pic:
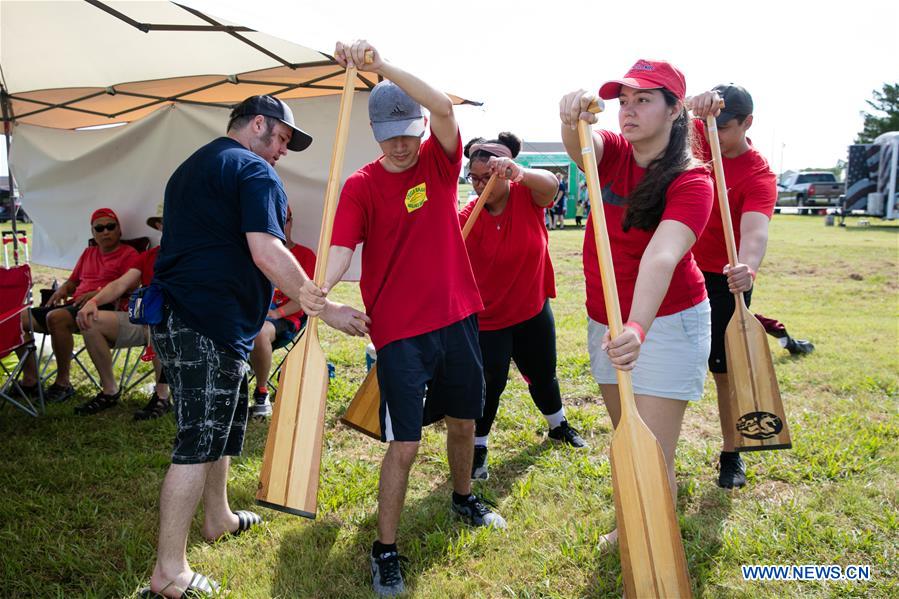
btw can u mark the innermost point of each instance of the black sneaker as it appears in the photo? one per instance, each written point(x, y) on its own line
point(567, 435)
point(799, 347)
point(262, 407)
point(732, 471)
point(156, 407)
point(58, 393)
point(100, 402)
point(477, 513)
point(479, 464)
point(387, 575)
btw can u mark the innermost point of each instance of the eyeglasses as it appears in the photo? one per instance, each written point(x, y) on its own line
point(475, 180)
point(106, 227)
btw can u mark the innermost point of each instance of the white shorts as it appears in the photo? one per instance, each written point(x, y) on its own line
point(673, 360)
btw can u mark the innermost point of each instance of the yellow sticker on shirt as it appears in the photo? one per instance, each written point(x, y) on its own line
point(416, 197)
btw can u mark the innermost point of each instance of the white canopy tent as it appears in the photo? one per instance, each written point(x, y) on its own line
point(172, 74)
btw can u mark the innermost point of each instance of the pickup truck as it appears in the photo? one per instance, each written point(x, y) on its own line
point(810, 188)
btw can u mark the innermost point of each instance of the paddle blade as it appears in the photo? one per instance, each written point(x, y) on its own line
point(754, 417)
point(363, 413)
point(292, 458)
point(653, 563)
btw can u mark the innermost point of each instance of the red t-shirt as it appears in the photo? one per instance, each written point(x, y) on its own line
point(688, 201)
point(145, 262)
point(416, 277)
point(751, 187)
point(95, 269)
point(509, 255)
point(306, 258)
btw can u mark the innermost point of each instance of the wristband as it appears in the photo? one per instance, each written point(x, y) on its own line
point(636, 326)
point(751, 273)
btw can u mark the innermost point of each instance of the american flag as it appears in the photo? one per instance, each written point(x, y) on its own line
point(861, 176)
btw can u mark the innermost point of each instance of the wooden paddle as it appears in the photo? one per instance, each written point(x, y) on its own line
point(754, 417)
point(292, 459)
point(363, 413)
point(653, 563)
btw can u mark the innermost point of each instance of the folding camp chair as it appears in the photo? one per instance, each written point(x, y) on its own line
point(130, 377)
point(286, 344)
point(9, 237)
point(15, 298)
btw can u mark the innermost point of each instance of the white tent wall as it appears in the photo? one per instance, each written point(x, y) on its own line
point(64, 175)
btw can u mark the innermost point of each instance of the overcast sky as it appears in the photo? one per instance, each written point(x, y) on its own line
point(810, 66)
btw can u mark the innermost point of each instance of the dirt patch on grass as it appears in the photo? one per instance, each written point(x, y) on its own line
point(773, 492)
point(582, 400)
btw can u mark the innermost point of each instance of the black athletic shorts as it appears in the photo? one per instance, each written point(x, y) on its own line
point(40, 314)
point(208, 385)
point(429, 376)
point(285, 331)
point(722, 303)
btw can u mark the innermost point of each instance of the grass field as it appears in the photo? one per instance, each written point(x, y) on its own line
point(78, 496)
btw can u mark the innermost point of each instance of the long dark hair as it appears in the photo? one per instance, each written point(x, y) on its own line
point(647, 201)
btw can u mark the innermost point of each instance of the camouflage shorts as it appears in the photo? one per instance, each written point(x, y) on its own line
point(209, 387)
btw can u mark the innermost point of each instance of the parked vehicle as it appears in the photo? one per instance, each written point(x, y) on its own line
point(810, 188)
point(4, 212)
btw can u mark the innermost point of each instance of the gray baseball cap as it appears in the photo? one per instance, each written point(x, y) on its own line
point(737, 102)
point(393, 113)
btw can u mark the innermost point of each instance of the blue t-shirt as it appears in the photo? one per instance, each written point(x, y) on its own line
point(205, 268)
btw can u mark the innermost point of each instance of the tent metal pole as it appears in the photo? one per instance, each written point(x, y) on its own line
point(7, 130)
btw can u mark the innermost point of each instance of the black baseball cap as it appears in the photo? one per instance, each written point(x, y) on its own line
point(737, 102)
point(275, 108)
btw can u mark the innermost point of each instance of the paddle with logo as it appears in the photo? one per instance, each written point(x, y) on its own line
point(653, 563)
point(292, 459)
point(754, 418)
point(363, 413)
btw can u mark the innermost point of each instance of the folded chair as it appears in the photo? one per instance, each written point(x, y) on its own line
point(15, 298)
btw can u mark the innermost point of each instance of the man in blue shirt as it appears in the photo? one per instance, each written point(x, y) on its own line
point(222, 248)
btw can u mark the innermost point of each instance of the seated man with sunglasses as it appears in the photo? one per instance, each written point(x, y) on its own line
point(98, 265)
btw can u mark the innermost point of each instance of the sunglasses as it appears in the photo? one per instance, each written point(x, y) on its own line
point(106, 227)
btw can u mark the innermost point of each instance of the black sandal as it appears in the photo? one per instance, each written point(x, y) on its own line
point(155, 408)
point(58, 393)
point(100, 402)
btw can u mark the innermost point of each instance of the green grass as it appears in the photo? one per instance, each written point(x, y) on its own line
point(78, 504)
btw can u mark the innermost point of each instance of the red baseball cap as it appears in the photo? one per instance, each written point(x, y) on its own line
point(104, 213)
point(647, 74)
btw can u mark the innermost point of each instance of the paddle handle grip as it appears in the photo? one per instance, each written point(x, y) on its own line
point(604, 254)
point(596, 106)
point(690, 104)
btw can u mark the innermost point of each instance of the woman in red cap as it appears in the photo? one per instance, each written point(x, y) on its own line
point(509, 253)
point(657, 199)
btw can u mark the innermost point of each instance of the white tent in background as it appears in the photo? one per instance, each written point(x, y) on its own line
point(169, 74)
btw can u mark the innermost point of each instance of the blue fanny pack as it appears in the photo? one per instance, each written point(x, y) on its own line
point(145, 305)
